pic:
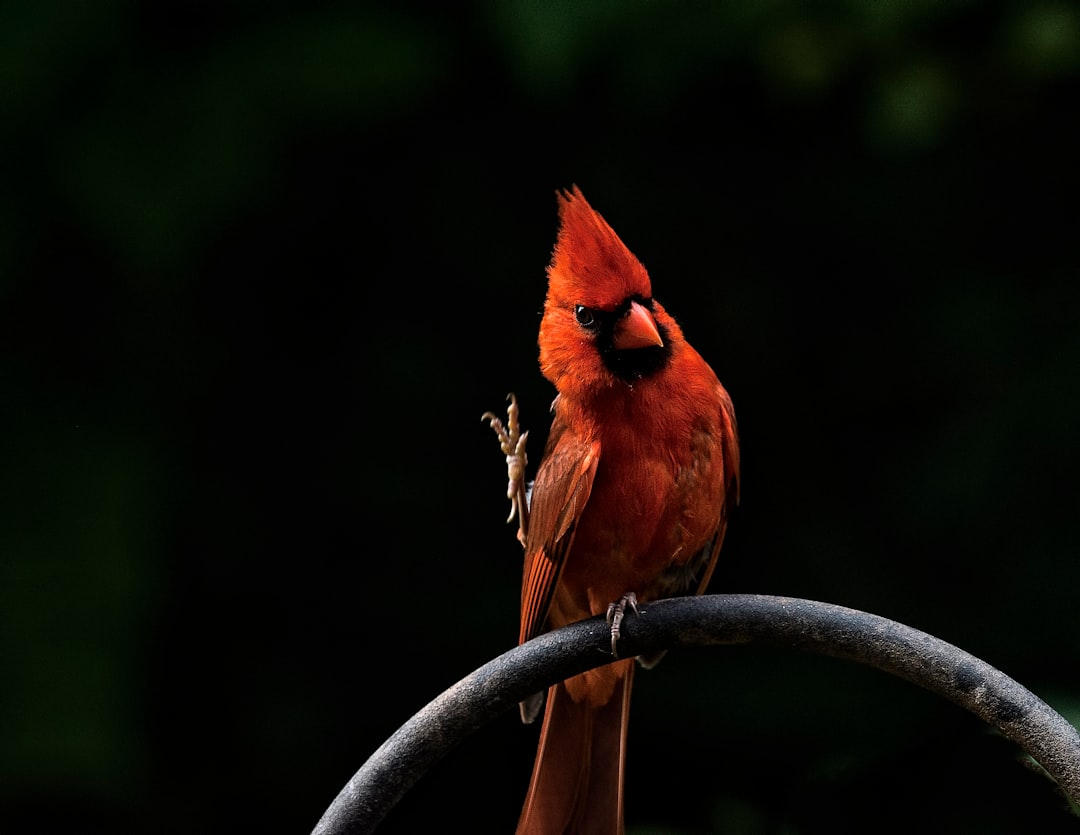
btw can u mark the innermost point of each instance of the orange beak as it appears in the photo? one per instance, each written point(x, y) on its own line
point(636, 329)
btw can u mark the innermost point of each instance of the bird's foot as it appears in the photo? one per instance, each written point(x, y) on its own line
point(615, 614)
point(512, 443)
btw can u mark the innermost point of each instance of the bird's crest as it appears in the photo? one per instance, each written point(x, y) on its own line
point(591, 265)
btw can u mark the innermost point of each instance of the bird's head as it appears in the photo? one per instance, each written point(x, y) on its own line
point(601, 325)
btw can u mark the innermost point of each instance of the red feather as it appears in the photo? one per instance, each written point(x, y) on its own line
point(632, 495)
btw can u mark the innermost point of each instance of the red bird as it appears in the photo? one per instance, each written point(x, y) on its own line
point(629, 504)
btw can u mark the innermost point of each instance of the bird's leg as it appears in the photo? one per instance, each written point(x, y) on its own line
point(615, 613)
point(512, 443)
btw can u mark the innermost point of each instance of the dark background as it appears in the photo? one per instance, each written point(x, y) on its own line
point(263, 265)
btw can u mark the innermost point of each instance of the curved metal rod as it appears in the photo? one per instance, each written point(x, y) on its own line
point(698, 621)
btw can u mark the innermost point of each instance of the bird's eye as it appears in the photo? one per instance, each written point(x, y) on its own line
point(584, 316)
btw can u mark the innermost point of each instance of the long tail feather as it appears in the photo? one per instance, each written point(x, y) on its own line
point(577, 780)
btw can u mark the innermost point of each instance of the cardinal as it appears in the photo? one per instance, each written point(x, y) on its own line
point(629, 504)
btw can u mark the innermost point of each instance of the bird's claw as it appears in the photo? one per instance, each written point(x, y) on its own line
point(512, 443)
point(615, 614)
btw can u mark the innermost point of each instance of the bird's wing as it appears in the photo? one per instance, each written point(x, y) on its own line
point(559, 494)
point(730, 462)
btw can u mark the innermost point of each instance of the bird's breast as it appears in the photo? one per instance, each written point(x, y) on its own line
point(655, 503)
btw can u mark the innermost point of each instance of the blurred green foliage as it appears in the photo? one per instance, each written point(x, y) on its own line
point(263, 265)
